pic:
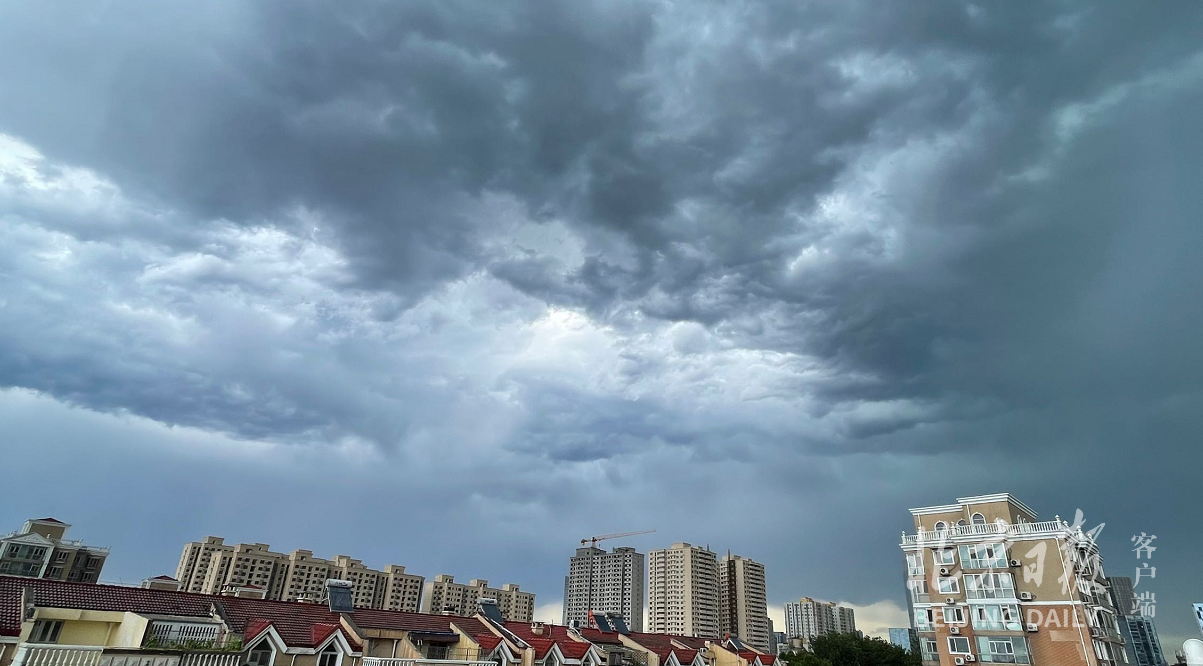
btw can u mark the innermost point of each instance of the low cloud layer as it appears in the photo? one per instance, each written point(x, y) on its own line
point(758, 275)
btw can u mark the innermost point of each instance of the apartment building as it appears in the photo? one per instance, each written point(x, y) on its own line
point(1141, 641)
point(809, 618)
point(444, 595)
point(211, 566)
point(683, 591)
point(988, 582)
point(743, 607)
point(41, 550)
point(612, 582)
point(1122, 596)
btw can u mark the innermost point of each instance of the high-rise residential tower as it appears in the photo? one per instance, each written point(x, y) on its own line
point(683, 594)
point(743, 609)
point(809, 618)
point(611, 582)
point(991, 583)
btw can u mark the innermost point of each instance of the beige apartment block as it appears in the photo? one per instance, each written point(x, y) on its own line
point(444, 595)
point(683, 591)
point(743, 607)
point(989, 583)
point(401, 591)
point(211, 566)
point(809, 618)
point(41, 550)
point(598, 581)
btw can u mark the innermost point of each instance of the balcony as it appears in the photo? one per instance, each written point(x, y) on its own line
point(88, 655)
point(423, 661)
point(998, 531)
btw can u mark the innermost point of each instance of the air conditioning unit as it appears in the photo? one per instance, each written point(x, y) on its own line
point(1025, 596)
point(1032, 626)
point(959, 661)
point(969, 659)
point(954, 630)
point(944, 571)
point(1015, 563)
point(950, 600)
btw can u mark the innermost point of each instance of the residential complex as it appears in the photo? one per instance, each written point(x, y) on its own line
point(611, 582)
point(444, 595)
point(211, 566)
point(809, 618)
point(41, 550)
point(683, 591)
point(55, 623)
point(743, 609)
point(990, 583)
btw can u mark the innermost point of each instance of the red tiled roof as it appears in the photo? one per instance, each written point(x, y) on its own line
point(405, 621)
point(686, 657)
point(601, 637)
point(541, 645)
point(294, 622)
point(573, 649)
point(488, 642)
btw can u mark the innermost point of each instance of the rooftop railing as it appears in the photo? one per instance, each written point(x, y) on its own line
point(1000, 531)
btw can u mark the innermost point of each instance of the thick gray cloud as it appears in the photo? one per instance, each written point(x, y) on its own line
point(761, 275)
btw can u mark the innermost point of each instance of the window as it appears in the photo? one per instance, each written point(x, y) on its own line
point(944, 555)
point(46, 631)
point(989, 586)
point(328, 656)
point(984, 556)
point(914, 564)
point(947, 585)
point(996, 617)
point(924, 619)
point(954, 614)
point(958, 644)
point(260, 655)
point(941, 526)
point(928, 650)
point(979, 519)
point(1003, 650)
point(919, 592)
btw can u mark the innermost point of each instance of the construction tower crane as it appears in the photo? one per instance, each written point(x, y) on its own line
point(592, 542)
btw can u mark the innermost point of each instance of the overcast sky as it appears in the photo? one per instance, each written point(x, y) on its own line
point(453, 285)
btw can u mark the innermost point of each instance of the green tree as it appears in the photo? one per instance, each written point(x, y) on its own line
point(851, 650)
point(804, 658)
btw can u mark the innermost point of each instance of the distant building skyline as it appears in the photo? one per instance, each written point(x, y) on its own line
point(683, 591)
point(40, 549)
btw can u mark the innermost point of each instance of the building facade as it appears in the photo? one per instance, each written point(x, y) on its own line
point(743, 608)
point(1141, 641)
point(904, 637)
point(988, 582)
point(613, 582)
point(683, 591)
point(41, 550)
point(809, 618)
point(444, 595)
point(1122, 596)
point(211, 566)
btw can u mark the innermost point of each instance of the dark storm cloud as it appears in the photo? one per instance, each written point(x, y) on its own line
point(619, 254)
